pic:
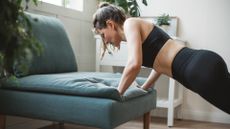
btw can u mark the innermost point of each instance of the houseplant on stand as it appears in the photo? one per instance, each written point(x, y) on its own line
point(163, 21)
point(17, 41)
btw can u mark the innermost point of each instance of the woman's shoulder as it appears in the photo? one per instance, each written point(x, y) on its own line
point(131, 25)
point(138, 25)
point(132, 19)
point(136, 22)
point(130, 22)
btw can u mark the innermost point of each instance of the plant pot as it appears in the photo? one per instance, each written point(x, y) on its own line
point(165, 27)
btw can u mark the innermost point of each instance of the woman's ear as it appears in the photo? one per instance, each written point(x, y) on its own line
point(110, 23)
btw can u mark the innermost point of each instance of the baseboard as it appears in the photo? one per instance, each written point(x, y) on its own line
point(159, 112)
point(217, 117)
point(206, 116)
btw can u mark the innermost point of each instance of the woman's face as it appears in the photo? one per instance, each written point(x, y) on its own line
point(110, 34)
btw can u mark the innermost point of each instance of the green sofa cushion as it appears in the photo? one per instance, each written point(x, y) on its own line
point(57, 56)
point(89, 84)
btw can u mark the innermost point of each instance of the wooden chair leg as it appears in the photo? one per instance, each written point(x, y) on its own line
point(146, 121)
point(2, 121)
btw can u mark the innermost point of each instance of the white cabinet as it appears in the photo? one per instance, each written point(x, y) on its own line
point(119, 59)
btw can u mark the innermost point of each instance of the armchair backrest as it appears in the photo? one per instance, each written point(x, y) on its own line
point(57, 56)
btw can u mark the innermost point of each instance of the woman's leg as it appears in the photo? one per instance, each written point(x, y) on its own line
point(219, 95)
point(207, 75)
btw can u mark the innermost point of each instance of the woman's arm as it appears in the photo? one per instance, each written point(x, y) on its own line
point(129, 75)
point(153, 76)
point(134, 62)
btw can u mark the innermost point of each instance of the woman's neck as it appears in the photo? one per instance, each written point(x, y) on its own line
point(121, 33)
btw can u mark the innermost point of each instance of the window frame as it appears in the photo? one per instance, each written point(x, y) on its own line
point(65, 5)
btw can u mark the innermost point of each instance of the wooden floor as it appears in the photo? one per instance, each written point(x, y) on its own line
point(157, 123)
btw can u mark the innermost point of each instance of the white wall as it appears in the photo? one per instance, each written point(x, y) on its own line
point(78, 26)
point(205, 25)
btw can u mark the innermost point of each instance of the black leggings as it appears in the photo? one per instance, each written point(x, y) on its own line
point(205, 73)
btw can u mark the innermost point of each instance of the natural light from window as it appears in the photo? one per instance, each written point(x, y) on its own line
point(72, 4)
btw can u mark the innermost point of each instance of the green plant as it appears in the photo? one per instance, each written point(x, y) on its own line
point(17, 43)
point(163, 20)
point(130, 6)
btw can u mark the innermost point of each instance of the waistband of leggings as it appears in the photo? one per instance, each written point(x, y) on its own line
point(180, 62)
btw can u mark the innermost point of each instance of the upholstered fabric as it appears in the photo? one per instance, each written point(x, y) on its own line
point(89, 84)
point(54, 91)
point(57, 55)
point(97, 112)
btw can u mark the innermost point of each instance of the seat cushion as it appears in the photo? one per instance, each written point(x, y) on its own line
point(89, 84)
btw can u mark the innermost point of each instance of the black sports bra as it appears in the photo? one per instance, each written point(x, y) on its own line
point(152, 45)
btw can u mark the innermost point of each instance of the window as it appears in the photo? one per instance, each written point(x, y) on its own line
point(72, 4)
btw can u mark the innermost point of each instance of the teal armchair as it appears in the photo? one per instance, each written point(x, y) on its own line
point(54, 90)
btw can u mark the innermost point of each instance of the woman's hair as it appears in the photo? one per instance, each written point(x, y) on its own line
point(106, 12)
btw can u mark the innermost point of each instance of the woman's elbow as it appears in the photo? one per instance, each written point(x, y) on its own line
point(135, 67)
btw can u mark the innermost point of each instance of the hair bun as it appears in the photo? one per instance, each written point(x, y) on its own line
point(104, 4)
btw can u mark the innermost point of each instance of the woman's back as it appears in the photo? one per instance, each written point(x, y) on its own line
point(162, 61)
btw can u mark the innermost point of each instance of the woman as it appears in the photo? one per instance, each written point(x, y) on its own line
point(201, 71)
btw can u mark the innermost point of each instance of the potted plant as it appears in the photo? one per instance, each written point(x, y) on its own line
point(17, 41)
point(163, 21)
point(131, 7)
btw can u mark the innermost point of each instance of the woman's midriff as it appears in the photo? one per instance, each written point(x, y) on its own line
point(165, 57)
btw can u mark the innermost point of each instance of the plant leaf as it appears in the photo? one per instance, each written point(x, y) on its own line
point(145, 2)
point(123, 4)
